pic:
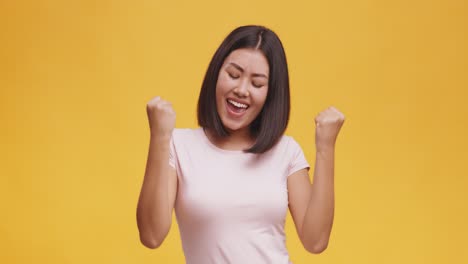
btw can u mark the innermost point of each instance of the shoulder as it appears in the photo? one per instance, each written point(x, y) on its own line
point(287, 142)
point(293, 142)
point(182, 131)
point(291, 146)
point(185, 134)
point(285, 145)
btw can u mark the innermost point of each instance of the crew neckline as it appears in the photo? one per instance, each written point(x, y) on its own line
point(213, 146)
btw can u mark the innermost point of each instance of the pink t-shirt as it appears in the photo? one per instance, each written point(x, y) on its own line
point(231, 206)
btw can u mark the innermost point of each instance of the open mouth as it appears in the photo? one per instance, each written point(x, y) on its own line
point(236, 107)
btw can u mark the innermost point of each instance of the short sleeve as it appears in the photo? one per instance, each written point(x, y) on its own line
point(298, 160)
point(172, 152)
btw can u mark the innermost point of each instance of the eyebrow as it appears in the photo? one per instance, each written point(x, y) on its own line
point(242, 70)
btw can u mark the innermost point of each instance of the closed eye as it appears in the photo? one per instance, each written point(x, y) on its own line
point(233, 77)
point(236, 77)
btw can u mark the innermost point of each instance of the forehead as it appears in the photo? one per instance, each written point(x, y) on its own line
point(249, 59)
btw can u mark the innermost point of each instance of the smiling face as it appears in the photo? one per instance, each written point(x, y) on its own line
point(242, 87)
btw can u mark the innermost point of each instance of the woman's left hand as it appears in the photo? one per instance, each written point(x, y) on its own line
point(327, 126)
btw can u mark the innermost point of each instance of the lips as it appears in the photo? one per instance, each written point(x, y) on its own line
point(238, 103)
point(234, 111)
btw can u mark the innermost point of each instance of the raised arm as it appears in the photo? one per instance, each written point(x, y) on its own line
point(312, 205)
point(159, 188)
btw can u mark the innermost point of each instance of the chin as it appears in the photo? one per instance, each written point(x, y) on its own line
point(234, 127)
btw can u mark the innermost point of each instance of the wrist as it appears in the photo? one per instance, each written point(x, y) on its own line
point(160, 136)
point(325, 150)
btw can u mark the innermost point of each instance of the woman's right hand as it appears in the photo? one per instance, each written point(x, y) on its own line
point(161, 117)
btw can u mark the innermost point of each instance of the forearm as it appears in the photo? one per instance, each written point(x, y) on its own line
point(318, 219)
point(153, 212)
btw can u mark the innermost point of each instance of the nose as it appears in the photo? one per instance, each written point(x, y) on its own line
point(242, 90)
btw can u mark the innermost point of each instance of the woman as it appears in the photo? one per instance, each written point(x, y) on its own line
point(232, 179)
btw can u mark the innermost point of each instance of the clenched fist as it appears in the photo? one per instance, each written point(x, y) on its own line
point(161, 117)
point(328, 124)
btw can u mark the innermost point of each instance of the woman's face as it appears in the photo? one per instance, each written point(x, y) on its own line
point(242, 88)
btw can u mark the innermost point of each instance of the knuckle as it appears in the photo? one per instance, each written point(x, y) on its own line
point(159, 106)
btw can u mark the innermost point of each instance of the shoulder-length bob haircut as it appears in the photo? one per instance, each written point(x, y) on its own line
point(272, 121)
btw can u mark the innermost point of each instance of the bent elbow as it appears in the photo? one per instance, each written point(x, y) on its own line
point(150, 242)
point(151, 238)
point(317, 248)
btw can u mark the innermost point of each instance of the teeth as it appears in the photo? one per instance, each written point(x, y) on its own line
point(237, 104)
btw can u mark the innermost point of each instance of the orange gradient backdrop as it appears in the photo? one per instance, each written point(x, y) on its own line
point(75, 77)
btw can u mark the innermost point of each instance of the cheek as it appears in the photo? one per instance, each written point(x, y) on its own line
point(222, 84)
point(261, 97)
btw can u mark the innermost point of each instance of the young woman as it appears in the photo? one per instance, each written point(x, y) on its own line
point(232, 179)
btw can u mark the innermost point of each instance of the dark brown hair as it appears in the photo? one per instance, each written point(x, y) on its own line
point(272, 121)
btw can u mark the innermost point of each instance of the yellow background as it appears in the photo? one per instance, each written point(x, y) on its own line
point(75, 78)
